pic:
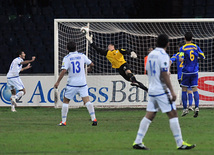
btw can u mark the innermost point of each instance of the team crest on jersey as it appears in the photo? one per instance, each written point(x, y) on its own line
point(165, 63)
point(124, 67)
point(62, 63)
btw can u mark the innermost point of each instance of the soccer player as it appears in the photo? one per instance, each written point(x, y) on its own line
point(13, 80)
point(175, 58)
point(160, 88)
point(115, 56)
point(76, 83)
point(189, 54)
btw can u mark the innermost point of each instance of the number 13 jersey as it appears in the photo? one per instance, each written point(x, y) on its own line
point(74, 63)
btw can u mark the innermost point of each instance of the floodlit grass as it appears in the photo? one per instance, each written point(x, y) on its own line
point(35, 131)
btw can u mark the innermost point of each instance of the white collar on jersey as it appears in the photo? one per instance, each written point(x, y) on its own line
point(73, 52)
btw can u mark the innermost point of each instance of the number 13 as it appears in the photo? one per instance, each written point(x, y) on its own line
point(76, 67)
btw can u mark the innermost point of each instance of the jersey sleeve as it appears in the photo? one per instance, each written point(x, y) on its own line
point(87, 60)
point(200, 53)
point(174, 57)
point(65, 63)
point(164, 63)
point(124, 51)
point(181, 52)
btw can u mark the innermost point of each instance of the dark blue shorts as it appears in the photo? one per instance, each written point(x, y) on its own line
point(189, 80)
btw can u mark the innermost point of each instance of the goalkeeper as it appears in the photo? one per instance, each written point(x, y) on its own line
point(115, 56)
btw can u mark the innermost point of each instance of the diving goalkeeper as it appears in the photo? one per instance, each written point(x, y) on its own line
point(115, 56)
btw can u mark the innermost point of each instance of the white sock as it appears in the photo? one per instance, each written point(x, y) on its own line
point(12, 106)
point(64, 112)
point(19, 95)
point(176, 130)
point(144, 125)
point(91, 111)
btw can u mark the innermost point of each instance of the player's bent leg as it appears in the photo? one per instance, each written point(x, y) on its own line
point(90, 109)
point(64, 111)
point(134, 81)
point(21, 93)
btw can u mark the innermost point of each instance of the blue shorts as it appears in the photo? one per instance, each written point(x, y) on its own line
point(189, 80)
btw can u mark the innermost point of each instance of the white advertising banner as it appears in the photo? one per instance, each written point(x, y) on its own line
point(104, 91)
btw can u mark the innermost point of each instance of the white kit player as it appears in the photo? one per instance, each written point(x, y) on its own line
point(160, 88)
point(13, 80)
point(76, 83)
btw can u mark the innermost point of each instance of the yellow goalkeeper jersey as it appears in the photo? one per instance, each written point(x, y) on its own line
point(116, 58)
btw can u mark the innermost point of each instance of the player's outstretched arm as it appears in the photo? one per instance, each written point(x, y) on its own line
point(61, 75)
point(28, 61)
point(167, 81)
point(99, 50)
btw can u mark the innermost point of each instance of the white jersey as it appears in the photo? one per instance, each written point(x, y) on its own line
point(15, 68)
point(158, 61)
point(74, 63)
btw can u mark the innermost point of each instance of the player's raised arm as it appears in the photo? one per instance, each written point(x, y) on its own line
point(99, 50)
point(28, 61)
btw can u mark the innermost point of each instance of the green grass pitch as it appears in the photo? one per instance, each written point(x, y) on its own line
point(35, 131)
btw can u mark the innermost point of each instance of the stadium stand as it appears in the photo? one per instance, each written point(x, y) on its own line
point(28, 24)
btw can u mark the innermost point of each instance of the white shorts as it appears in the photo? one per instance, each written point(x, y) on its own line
point(15, 83)
point(71, 91)
point(160, 102)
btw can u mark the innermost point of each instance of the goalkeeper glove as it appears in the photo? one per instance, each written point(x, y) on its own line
point(133, 54)
point(89, 38)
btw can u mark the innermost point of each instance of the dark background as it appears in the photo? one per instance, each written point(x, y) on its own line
point(28, 24)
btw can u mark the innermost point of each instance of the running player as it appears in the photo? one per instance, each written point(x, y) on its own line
point(175, 58)
point(76, 83)
point(159, 89)
point(115, 56)
point(189, 54)
point(13, 80)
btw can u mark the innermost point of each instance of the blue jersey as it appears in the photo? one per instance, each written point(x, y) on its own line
point(179, 64)
point(190, 53)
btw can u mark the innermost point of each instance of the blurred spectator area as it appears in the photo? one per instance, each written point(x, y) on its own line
point(28, 24)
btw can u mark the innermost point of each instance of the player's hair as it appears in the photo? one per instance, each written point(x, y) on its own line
point(188, 36)
point(71, 46)
point(111, 44)
point(18, 53)
point(162, 40)
point(181, 44)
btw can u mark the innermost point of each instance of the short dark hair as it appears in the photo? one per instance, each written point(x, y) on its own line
point(181, 44)
point(19, 52)
point(111, 44)
point(188, 36)
point(71, 46)
point(162, 40)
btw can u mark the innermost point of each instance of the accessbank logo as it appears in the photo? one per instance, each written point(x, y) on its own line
point(5, 93)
